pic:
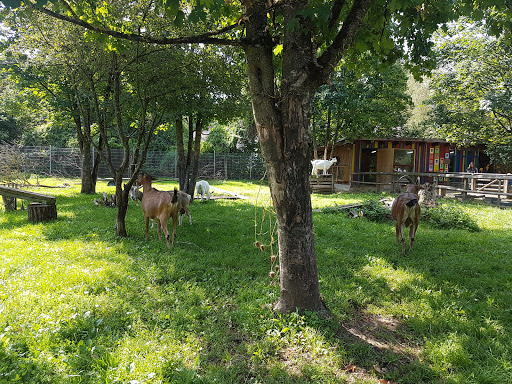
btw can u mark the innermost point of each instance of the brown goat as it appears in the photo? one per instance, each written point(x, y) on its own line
point(160, 206)
point(406, 211)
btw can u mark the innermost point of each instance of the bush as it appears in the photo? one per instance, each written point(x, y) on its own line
point(374, 210)
point(449, 217)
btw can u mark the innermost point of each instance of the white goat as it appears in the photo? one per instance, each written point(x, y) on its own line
point(322, 164)
point(203, 189)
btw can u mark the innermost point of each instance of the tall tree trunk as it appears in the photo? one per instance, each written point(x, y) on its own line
point(88, 165)
point(313, 135)
point(121, 205)
point(188, 164)
point(195, 157)
point(283, 131)
point(88, 184)
point(327, 133)
point(180, 147)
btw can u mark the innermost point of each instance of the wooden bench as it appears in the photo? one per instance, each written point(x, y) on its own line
point(44, 208)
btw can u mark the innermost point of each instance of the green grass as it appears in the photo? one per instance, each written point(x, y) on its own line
point(78, 305)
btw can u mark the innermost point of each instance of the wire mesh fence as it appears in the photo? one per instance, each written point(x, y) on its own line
point(66, 162)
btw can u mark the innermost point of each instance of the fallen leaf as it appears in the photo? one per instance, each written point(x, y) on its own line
point(350, 368)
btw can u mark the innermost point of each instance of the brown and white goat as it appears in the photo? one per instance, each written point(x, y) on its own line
point(406, 211)
point(159, 206)
point(183, 205)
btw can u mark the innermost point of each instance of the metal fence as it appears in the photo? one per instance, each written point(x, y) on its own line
point(66, 162)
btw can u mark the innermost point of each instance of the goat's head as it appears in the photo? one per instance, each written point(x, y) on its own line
point(144, 177)
point(413, 188)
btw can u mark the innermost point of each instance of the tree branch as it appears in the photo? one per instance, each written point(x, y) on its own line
point(336, 11)
point(206, 38)
point(343, 40)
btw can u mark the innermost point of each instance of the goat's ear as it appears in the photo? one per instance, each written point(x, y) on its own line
point(418, 180)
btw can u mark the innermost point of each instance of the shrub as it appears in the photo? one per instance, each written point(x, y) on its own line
point(449, 217)
point(374, 210)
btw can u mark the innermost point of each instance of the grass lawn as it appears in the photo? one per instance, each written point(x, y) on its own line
point(79, 305)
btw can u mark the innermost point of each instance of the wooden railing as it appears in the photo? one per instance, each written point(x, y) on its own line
point(495, 184)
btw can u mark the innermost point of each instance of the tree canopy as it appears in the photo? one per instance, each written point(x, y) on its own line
point(472, 88)
point(367, 103)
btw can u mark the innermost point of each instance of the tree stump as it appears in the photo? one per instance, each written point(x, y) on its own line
point(9, 203)
point(41, 212)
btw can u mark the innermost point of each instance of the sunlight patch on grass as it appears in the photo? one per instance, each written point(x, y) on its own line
point(395, 278)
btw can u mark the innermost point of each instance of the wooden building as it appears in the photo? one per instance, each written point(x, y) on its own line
point(402, 155)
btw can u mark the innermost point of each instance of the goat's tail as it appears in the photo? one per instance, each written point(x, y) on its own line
point(175, 196)
point(411, 203)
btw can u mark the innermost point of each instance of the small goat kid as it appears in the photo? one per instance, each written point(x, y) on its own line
point(406, 211)
point(135, 193)
point(203, 189)
point(322, 164)
point(160, 206)
point(183, 205)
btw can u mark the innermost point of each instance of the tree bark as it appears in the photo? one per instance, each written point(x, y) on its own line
point(327, 133)
point(38, 212)
point(180, 147)
point(188, 164)
point(283, 131)
point(195, 157)
point(10, 203)
point(121, 205)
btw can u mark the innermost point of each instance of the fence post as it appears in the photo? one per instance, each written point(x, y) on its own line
point(214, 171)
point(50, 160)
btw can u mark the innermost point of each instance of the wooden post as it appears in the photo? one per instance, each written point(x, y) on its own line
point(507, 188)
point(41, 212)
point(473, 183)
point(466, 186)
point(9, 203)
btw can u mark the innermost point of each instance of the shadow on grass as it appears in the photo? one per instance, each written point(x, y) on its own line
point(407, 319)
point(447, 301)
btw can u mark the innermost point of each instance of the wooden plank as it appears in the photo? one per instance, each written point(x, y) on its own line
point(447, 187)
point(26, 195)
point(340, 207)
point(488, 184)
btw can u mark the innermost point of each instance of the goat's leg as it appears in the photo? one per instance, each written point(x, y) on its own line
point(159, 229)
point(412, 235)
point(402, 239)
point(189, 218)
point(397, 231)
point(164, 221)
point(174, 217)
point(146, 219)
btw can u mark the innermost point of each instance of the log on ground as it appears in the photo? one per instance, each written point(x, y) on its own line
point(41, 212)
